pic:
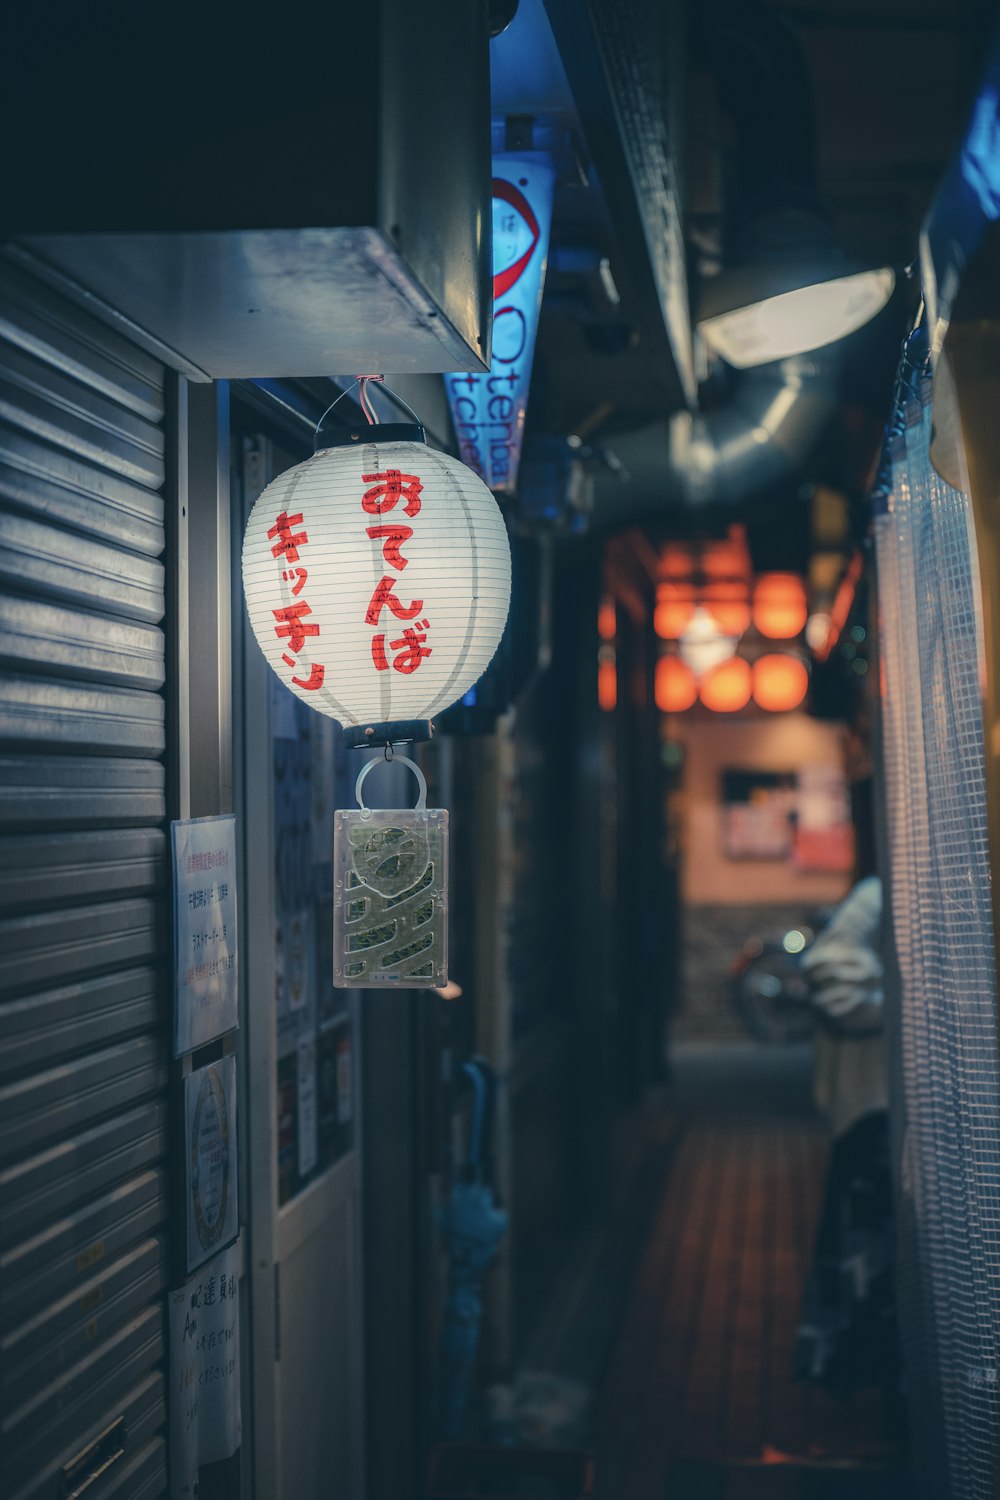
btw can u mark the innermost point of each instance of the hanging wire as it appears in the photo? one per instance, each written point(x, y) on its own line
point(336, 400)
point(400, 402)
point(361, 382)
point(365, 402)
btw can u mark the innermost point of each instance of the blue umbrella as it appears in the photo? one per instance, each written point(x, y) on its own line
point(473, 1227)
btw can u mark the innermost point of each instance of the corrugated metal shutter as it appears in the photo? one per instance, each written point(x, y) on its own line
point(83, 899)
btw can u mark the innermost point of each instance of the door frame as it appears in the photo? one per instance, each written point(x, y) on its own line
point(277, 1232)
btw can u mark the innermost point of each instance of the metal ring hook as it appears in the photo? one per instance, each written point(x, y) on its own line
point(404, 760)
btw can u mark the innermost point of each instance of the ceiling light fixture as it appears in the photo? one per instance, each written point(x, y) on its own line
point(749, 323)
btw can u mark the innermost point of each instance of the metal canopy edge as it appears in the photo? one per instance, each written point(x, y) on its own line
point(239, 304)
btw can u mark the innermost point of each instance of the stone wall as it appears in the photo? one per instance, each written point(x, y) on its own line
point(712, 937)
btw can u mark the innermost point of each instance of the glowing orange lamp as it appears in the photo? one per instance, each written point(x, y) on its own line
point(674, 608)
point(607, 681)
point(728, 605)
point(726, 689)
point(779, 605)
point(675, 689)
point(607, 665)
point(780, 681)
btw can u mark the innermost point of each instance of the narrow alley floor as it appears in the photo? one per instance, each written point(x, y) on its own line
point(698, 1400)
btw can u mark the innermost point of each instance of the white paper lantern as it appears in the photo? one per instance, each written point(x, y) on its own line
point(377, 579)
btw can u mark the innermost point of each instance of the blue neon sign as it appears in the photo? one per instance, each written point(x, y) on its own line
point(489, 410)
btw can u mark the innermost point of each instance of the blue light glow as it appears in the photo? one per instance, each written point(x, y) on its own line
point(980, 159)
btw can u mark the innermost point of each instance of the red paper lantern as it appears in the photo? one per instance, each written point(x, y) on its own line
point(780, 682)
point(726, 689)
point(729, 605)
point(731, 615)
point(607, 683)
point(779, 605)
point(676, 689)
point(673, 612)
point(607, 620)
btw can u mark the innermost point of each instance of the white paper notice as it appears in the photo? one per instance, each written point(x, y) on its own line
point(205, 951)
point(305, 1083)
point(211, 1155)
point(824, 800)
point(204, 1371)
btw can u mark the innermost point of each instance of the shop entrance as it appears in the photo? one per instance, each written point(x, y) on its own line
point(301, 1061)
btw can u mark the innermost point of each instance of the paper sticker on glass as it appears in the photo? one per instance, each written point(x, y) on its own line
point(390, 902)
point(210, 1138)
point(205, 948)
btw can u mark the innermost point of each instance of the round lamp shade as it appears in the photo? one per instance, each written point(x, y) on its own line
point(377, 580)
point(676, 689)
point(607, 684)
point(779, 605)
point(780, 682)
point(675, 606)
point(726, 689)
point(732, 619)
point(729, 606)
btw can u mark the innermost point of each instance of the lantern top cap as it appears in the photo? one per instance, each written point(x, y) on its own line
point(358, 436)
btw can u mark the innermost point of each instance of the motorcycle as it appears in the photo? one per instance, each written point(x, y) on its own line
point(769, 987)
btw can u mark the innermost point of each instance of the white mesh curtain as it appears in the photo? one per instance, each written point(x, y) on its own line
point(941, 1007)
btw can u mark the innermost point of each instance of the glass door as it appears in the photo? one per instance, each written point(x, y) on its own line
point(302, 1065)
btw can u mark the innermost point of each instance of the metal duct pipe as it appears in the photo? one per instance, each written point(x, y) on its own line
point(702, 460)
point(758, 439)
point(775, 413)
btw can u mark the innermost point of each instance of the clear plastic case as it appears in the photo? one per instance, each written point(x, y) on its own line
point(390, 912)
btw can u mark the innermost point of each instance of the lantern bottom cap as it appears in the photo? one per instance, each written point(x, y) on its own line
point(392, 732)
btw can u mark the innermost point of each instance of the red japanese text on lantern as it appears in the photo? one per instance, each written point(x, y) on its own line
point(384, 597)
point(392, 539)
point(387, 489)
point(410, 647)
point(286, 539)
point(293, 627)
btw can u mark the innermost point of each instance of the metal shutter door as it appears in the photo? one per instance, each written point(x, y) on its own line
point(83, 899)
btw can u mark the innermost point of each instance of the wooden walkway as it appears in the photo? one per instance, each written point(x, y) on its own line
point(700, 1383)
